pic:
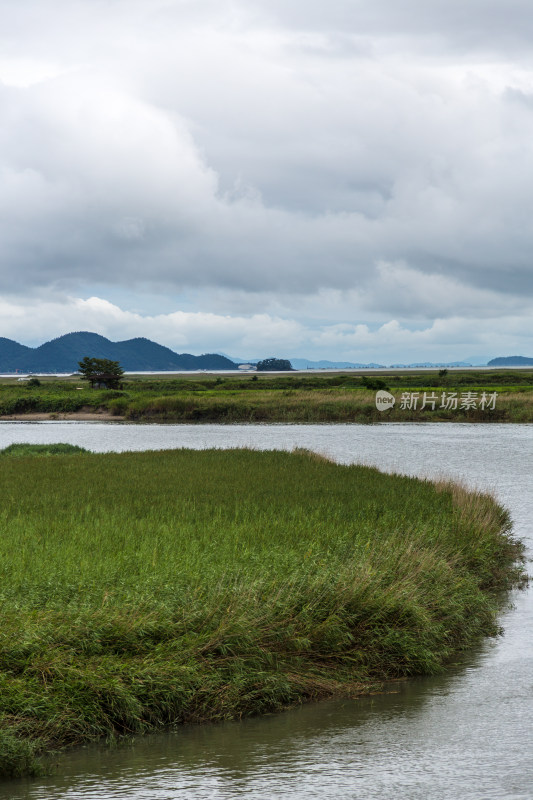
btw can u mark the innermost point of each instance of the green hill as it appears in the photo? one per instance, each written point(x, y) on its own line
point(140, 354)
point(511, 361)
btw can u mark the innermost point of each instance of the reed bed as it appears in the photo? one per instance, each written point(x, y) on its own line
point(142, 590)
point(290, 398)
point(308, 406)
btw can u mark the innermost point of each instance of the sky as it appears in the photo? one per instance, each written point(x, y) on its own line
point(348, 180)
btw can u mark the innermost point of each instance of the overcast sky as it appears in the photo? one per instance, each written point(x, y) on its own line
point(345, 179)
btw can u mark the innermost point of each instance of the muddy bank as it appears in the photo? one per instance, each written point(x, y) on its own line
point(82, 416)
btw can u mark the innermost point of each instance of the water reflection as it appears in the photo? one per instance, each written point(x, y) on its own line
point(467, 734)
point(412, 739)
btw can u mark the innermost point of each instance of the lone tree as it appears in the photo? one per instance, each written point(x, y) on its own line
point(274, 365)
point(101, 372)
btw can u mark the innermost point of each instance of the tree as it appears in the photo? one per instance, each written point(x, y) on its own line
point(274, 364)
point(101, 372)
point(374, 383)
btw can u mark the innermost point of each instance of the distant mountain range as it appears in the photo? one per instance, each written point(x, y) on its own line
point(304, 363)
point(142, 355)
point(134, 355)
point(511, 361)
point(432, 364)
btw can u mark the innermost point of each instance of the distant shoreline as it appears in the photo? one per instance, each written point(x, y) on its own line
point(325, 371)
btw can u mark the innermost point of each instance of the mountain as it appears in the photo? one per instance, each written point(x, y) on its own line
point(477, 361)
point(240, 360)
point(511, 361)
point(135, 355)
point(304, 363)
point(430, 365)
point(10, 350)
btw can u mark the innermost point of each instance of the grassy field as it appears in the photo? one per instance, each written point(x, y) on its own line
point(141, 590)
point(279, 398)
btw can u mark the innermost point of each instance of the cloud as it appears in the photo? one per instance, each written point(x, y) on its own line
point(354, 158)
point(489, 26)
point(264, 334)
point(198, 332)
point(411, 294)
point(100, 183)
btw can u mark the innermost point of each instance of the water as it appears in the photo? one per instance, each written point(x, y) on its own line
point(467, 734)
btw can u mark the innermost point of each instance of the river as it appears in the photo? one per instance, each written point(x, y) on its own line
point(466, 735)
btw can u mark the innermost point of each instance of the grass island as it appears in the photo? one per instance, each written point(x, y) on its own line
point(142, 590)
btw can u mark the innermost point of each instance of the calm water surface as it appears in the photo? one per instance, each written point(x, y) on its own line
point(466, 735)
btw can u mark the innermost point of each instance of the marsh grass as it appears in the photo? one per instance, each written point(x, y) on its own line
point(292, 398)
point(311, 406)
point(17, 450)
point(141, 590)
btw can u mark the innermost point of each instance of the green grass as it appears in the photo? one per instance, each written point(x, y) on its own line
point(291, 398)
point(141, 590)
point(311, 406)
point(18, 450)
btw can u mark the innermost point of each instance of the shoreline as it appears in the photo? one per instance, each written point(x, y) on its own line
point(106, 416)
point(43, 416)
